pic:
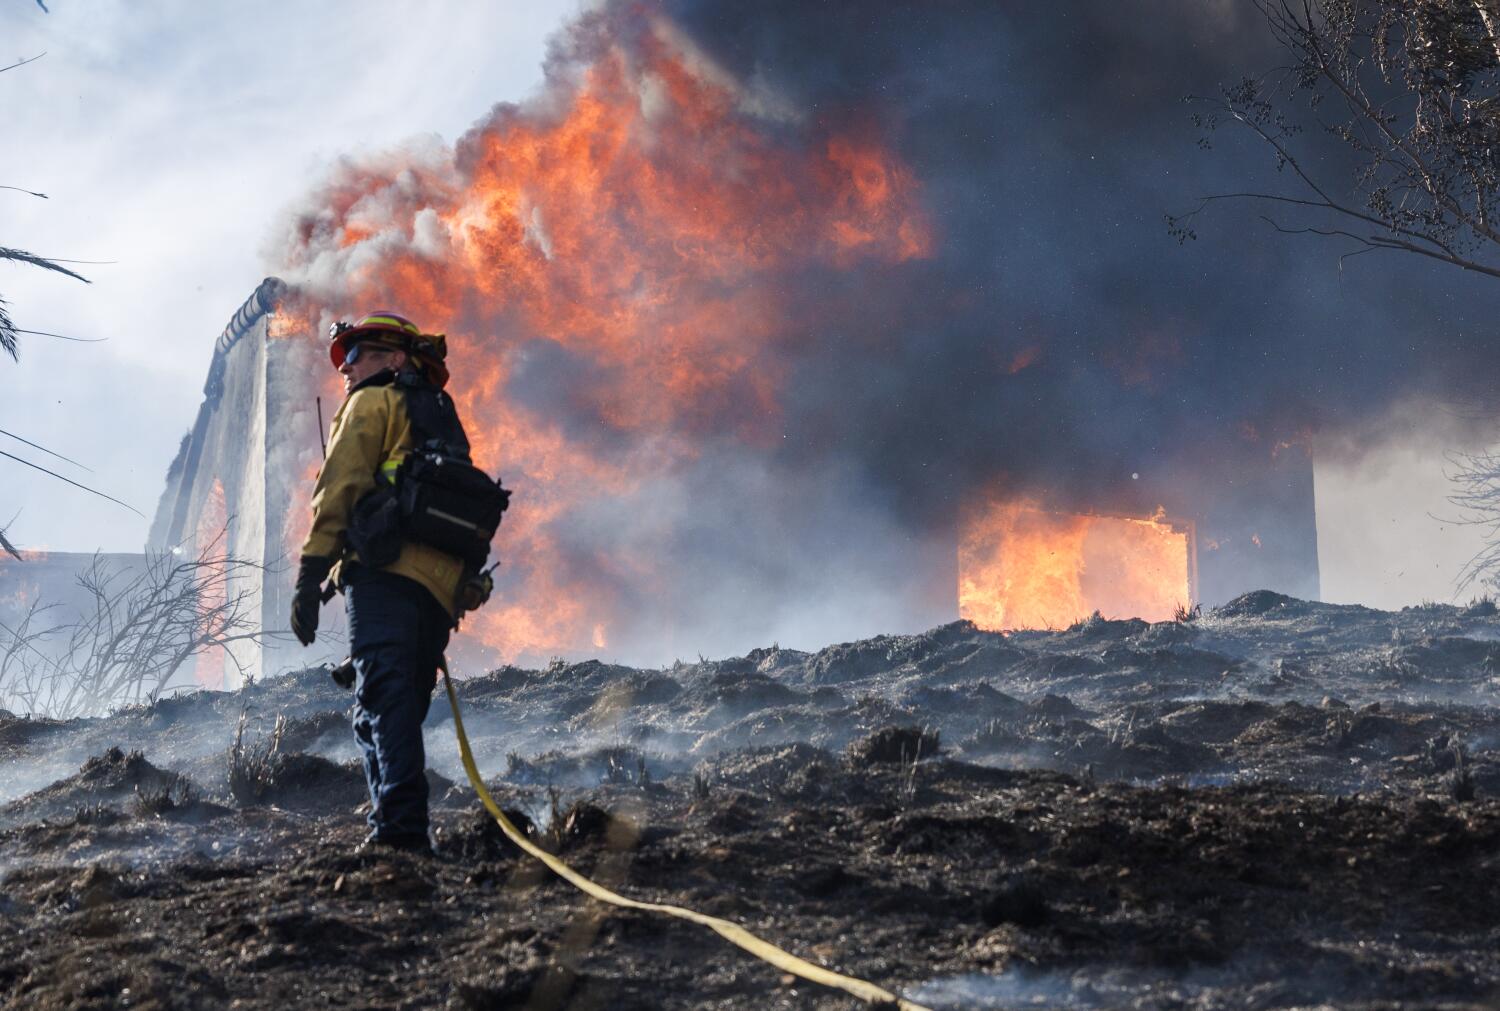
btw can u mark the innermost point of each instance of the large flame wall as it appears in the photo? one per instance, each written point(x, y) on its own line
point(611, 270)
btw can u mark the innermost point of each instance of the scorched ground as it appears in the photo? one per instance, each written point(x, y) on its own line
point(1280, 804)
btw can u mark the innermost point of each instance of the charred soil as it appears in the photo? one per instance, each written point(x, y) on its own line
point(1280, 804)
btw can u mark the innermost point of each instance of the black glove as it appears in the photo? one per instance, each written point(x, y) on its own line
point(309, 597)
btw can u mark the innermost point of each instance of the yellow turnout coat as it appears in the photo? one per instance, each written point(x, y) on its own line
point(371, 431)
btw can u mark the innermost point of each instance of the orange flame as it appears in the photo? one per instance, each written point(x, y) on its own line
point(639, 228)
point(1020, 566)
point(17, 591)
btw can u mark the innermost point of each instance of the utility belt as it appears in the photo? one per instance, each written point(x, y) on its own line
point(435, 498)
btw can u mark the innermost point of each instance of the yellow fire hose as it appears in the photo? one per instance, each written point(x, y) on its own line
point(731, 932)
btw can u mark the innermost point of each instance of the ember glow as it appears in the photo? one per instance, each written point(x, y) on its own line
point(1020, 566)
point(608, 265)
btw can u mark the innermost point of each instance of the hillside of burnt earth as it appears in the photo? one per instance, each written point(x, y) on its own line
point(1279, 804)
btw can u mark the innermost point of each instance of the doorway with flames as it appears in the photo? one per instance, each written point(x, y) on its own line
point(1022, 566)
point(1025, 564)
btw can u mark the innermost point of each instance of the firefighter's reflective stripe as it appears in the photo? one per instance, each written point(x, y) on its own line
point(732, 932)
point(395, 321)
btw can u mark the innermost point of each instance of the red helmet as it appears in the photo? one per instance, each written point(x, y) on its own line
point(428, 351)
point(383, 327)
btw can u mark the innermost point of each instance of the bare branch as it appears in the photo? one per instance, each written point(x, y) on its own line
point(22, 63)
point(134, 638)
point(1374, 242)
point(1415, 97)
point(62, 337)
point(44, 449)
point(1476, 479)
point(75, 484)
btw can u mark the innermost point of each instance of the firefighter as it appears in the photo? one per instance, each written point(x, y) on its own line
point(401, 597)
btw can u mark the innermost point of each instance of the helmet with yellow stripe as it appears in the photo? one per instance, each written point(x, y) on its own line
point(392, 330)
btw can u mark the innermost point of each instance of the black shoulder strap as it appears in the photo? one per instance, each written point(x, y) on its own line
point(434, 419)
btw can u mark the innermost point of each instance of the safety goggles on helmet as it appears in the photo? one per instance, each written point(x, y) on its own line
point(359, 350)
point(384, 329)
point(389, 331)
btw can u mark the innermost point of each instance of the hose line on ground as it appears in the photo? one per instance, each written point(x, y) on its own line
point(732, 932)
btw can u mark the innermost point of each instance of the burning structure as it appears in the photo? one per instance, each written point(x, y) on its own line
point(242, 476)
point(746, 351)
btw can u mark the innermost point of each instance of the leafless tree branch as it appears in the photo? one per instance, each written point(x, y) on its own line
point(1412, 89)
point(22, 63)
point(134, 637)
point(1476, 480)
point(70, 481)
point(44, 449)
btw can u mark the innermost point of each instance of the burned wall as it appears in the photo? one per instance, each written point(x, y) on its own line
point(1260, 532)
point(229, 488)
point(1252, 505)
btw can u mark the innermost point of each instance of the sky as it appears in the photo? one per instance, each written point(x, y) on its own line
point(174, 139)
point(171, 139)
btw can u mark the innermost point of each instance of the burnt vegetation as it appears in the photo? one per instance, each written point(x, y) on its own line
point(1278, 804)
point(253, 766)
point(11, 335)
point(132, 638)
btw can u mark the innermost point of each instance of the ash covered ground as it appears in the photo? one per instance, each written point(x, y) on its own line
point(1279, 804)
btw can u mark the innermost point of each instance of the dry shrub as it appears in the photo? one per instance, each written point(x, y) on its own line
point(172, 796)
point(896, 745)
point(252, 768)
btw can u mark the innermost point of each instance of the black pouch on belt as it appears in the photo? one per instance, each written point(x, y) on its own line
point(375, 528)
point(450, 504)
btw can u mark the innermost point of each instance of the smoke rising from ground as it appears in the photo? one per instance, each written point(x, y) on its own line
point(930, 264)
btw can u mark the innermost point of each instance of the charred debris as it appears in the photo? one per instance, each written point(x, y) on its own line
point(1273, 804)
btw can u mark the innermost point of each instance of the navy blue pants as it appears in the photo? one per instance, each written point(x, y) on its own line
point(397, 634)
